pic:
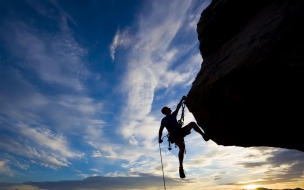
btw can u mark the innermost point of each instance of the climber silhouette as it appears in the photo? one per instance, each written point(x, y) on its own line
point(177, 134)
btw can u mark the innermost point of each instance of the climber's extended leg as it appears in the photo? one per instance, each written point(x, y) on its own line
point(181, 145)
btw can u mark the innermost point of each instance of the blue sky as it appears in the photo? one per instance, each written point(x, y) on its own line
point(81, 87)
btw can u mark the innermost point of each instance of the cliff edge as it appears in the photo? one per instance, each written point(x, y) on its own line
point(250, 89)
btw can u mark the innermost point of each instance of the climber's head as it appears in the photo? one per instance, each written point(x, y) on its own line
point(166, 110)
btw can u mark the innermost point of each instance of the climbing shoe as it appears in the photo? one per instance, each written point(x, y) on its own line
point(181, 173)
point(206, 137)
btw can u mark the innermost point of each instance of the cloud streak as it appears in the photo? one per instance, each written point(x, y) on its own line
point(150, 65)
point(278, 166)
point(5, 169)
point(44, 101)
point(143, 181)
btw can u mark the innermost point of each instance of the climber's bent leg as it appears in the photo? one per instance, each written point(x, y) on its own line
point(193, 125)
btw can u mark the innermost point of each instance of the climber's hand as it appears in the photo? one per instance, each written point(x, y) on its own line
point(160, 141)
point(184, 98)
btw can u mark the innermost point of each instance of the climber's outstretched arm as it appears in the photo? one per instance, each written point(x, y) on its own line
point(160, 133)
point(180, 103)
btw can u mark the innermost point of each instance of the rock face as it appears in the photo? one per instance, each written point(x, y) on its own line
point(250, 89)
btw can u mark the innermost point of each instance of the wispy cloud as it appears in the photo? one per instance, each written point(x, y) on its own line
point(120, 39)
point(114, 45)
point(43, 122)
point(17, 186)
point(152, 58)
point(286, 166)
point(12, 161)
point(40, 155)
point(5, 169)
point(277, 166)
point(150, 65)
point(143, 181)
point(24, 112)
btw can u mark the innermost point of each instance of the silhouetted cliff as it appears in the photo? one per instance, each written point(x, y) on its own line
point(250, 89)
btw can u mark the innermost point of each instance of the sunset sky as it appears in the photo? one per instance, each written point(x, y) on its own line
point(82, 83)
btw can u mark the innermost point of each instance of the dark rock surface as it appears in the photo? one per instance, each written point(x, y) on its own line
point(250, 89)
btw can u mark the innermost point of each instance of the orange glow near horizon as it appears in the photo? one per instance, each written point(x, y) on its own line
point(251, 186)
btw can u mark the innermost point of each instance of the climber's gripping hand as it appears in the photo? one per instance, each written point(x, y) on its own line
point(160, 141)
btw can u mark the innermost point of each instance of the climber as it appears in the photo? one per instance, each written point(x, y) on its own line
point(176, 133)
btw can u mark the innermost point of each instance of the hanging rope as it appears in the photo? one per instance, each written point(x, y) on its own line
point(161, 159)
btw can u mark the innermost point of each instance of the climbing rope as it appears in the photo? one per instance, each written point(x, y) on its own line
point(181, 120)
point(161, 159)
